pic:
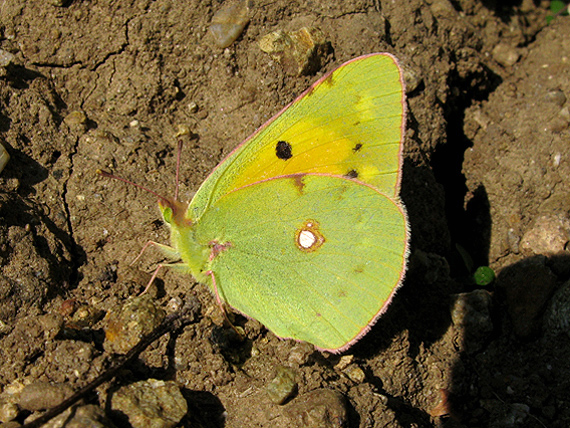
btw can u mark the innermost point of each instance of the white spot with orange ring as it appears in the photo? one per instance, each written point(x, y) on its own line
point(308, 237)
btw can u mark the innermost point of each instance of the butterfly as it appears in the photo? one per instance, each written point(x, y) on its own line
point(301, 227)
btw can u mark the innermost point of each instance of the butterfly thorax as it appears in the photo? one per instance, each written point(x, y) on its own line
point(194, 254)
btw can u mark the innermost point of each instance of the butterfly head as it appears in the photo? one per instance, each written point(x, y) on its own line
point(174, 211)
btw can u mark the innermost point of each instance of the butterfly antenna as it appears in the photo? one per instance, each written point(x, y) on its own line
point(124, 180)
point(178, 157)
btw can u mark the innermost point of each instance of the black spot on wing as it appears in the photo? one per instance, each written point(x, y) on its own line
point(352, 174)
point(357, 147)
point(283, 150)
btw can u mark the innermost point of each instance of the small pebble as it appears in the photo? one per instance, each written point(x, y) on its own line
point(68, 307)
point(556, 96)
point(301, 353)
point(561, 121)
point(229, 22)
point(517, 414)
point(505, 55)
point(5, 58)
point(151, 403)
point(43, 395)
point(344, 362)
point(4, 157)
point(126, 326)
point(51, 324)
point(89, 416)
point(182, 130)
point(443, 9)
point(443, 407)
point(471, 315)
point(8, 411)
point(412, 79)
point(548, 234)
point(283, 385)
point(321, 408)
point(557, 125)
point(557, 315)
point(192, 107)
point(355, 373)
point(15, 388)
point(174, 304)
point(85, 316)
point(513, 241)
point(299, 52)
point(75, 118)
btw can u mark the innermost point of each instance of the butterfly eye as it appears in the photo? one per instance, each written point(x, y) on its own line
point(167, 215)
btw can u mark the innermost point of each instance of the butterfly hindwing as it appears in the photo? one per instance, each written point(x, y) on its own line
point(312, 257)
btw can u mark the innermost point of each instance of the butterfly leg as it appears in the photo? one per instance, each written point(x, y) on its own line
point(168, 251)
point(180, 266)
point(221, 304)
point(154, 275)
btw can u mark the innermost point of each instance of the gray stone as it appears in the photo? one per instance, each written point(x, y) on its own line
point(151, 403)
point(321, 408)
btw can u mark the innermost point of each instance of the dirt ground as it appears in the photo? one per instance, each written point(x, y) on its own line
point(110, 84)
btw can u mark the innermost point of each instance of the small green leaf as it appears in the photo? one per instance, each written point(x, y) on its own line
point(484, 276)
point(557, 8)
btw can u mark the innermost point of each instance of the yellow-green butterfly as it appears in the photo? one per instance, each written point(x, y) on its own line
point(301, 226)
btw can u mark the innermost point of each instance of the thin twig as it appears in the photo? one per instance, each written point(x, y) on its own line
point(171, 323)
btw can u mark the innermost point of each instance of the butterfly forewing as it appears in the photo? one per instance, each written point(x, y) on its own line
point(349, 123)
